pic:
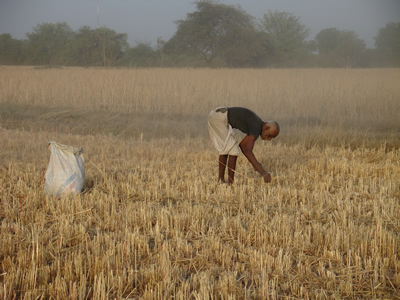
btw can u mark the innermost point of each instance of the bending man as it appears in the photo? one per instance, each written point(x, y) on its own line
point(235, 129)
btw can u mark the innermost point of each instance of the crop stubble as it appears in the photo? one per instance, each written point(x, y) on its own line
point(153, 223)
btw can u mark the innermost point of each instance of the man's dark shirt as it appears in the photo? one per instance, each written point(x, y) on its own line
point(245, 120)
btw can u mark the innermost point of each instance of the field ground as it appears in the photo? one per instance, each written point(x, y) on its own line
point(152, 222)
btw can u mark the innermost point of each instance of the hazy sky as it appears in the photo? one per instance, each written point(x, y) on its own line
point(146, 20)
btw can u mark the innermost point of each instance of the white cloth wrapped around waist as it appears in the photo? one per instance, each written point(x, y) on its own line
point(226, 139)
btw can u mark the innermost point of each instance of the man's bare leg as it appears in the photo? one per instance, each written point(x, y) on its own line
point(231, 168)
point(222, 165)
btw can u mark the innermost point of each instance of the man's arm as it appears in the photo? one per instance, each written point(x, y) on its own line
point(247, 145)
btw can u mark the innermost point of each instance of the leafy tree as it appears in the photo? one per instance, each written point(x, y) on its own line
point(244, 47)
point(286, 37)
point(339, 48)
point(10, 50)
point(216, 32)
point(84, 48)
point(160, 49)
point(387, 44)
point(49, 43)
point(142, 55)
point(111, 45)
point(351, 49)
point(98, 47)
point(327, 40)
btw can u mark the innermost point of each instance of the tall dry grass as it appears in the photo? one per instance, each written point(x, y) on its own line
point(152, 222)
point(323, 95)
point(346, 104)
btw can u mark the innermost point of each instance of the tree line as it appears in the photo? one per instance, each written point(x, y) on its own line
point(214, 35)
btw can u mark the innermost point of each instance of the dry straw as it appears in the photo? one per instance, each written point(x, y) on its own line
point(153, 223)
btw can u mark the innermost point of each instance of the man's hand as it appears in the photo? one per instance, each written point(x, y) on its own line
point(247, 145)
point(267, 177)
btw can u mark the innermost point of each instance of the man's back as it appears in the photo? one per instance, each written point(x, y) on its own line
point(245, 120)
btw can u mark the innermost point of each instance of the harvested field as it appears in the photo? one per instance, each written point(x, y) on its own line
point(152, 222)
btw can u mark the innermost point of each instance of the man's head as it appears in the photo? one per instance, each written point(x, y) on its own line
point(270, 130)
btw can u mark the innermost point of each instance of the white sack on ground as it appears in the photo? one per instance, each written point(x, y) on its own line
point(66, 171)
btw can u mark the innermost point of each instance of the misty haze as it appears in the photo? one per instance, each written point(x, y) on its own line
point(143, 206)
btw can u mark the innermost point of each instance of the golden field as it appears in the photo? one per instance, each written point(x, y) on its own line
point(152, 222)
